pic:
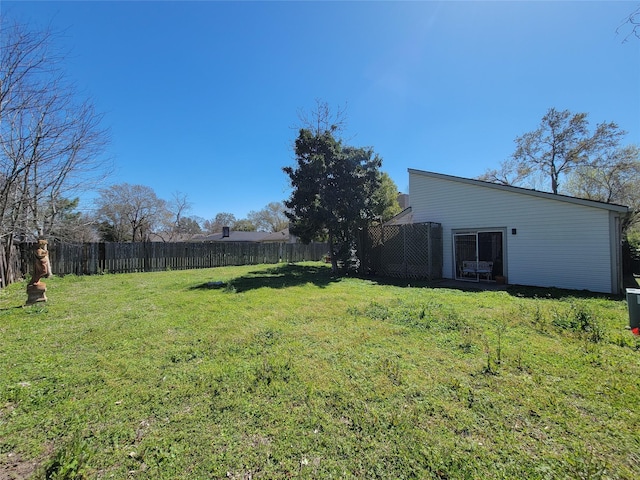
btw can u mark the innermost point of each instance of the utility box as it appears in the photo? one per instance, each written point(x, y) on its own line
point(633, 303)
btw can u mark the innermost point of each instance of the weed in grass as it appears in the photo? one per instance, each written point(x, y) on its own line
point(420, 316)
point(69, 461)
point(593, 357)
point(36, 309)
point(538, 319)
point(391, 368)
point(583, 464)
point(272, 369)
point(596, 332)
point(579, 320)
point(161, 457)
point(626, 340)
point(187, 355)
point(488, 368)
point(450, 320)
point(466, 345)
point(374, 311)
point(520, 365)
point(267, 337)
point(470, 398)
point(501, 328)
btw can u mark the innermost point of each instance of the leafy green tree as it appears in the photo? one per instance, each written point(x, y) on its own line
point(333, 188)
point(561, 143)
point(188, 226)
point(110, 232)
point(243, 225)
point(385, 198)
point(614, 177)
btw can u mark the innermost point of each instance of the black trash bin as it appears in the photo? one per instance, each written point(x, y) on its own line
point(633, 303)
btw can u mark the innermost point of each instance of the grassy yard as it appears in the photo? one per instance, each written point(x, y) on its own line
point(279, 372)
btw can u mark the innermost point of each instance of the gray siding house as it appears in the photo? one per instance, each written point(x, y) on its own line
point(495, 232)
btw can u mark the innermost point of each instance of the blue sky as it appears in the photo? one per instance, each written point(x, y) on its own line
point(204, 97)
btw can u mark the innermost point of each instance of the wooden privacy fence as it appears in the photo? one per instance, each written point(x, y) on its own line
point(10, 265)
point(406, 251)
point(92, 258)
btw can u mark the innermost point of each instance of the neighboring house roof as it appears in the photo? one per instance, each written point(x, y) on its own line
point(237, 236)
point(281, 236)
point(525, 191)
point(233, 237)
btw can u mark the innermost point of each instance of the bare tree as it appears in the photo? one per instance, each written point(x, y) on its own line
point(509, 172)
point(131, 212)
point(323, 119)
point(561, 143)
point(631, 22)
point(50, 142)
point(180, 225)
point(222, 219)
point(271, 218)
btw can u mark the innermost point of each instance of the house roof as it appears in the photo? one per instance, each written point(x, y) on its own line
point(405, 216)
point(523, 191)
point(238, 236)
point(281, 236)
point(234, 237)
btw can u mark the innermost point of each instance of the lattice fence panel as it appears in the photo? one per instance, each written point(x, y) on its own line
point(407, 251)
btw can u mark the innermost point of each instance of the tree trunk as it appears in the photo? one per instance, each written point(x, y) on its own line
point(554, 179)
point(332, 255)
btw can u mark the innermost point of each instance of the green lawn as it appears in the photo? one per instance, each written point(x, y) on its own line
point(279, 372)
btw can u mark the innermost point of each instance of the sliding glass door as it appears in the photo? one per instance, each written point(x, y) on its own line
point(466, 256)
point(478, 255)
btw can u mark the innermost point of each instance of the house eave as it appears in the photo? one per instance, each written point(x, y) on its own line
point(523, 191)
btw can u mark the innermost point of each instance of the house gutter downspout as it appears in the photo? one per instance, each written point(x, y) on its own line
point(617, 273)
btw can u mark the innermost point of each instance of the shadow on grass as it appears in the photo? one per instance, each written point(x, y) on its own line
point(553, 293)
point(290, 275)
point(473, 287)
point(4, 309)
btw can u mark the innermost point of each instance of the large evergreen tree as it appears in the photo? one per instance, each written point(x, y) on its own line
point(333, 191)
